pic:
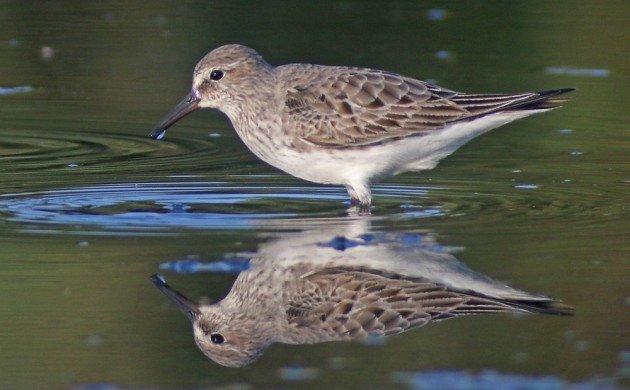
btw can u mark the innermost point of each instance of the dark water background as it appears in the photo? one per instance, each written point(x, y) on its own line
point(90, 206)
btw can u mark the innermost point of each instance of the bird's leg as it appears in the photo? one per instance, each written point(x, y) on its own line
point(365, 209)
point(354, 198)
point(360, 196)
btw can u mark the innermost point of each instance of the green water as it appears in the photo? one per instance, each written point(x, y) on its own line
point(90, 206)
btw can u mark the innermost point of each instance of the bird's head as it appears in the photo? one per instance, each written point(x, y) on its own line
point(223, 79)
point(230, 338)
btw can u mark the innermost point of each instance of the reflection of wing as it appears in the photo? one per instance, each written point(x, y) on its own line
point(415, 255)
point(342, 304)
point(342, 107)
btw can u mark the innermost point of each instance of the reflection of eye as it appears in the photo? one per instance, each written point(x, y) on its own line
point(216, 75)
point(216, 338)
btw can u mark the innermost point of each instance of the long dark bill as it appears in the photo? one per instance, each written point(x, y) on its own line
point(188, 307)
point(189, 104)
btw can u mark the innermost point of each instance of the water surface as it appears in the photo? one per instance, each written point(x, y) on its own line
point(90, 206)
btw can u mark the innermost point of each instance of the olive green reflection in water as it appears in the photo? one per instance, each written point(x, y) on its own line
point(323, 285)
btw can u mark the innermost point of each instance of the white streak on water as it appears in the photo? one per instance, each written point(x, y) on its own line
point(526, 186)
point(15, 90)
point(576, 72)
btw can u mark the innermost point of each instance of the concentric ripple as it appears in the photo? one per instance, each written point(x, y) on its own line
point(60, 149)
point(170, 207)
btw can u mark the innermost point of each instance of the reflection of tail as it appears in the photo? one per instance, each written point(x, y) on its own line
point(480, 304)
point(545, 307)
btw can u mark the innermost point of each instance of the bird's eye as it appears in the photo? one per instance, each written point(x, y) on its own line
point(216, 75)
point(216, 338)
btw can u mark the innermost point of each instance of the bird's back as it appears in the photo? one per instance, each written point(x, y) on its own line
point(341, 107)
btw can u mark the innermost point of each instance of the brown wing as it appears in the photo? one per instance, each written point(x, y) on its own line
point(354, 107)
point(337, 304)
point(348, 107)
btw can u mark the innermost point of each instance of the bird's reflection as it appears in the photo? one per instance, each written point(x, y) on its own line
point(343, 284)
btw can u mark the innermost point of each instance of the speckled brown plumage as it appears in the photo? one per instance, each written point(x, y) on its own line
point(348, 107)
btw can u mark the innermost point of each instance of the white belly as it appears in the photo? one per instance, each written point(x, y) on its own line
point(363, 165)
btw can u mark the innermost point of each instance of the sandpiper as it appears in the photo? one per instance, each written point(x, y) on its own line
point(344, 125)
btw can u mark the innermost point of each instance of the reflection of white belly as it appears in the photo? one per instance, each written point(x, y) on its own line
point(343, 166)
